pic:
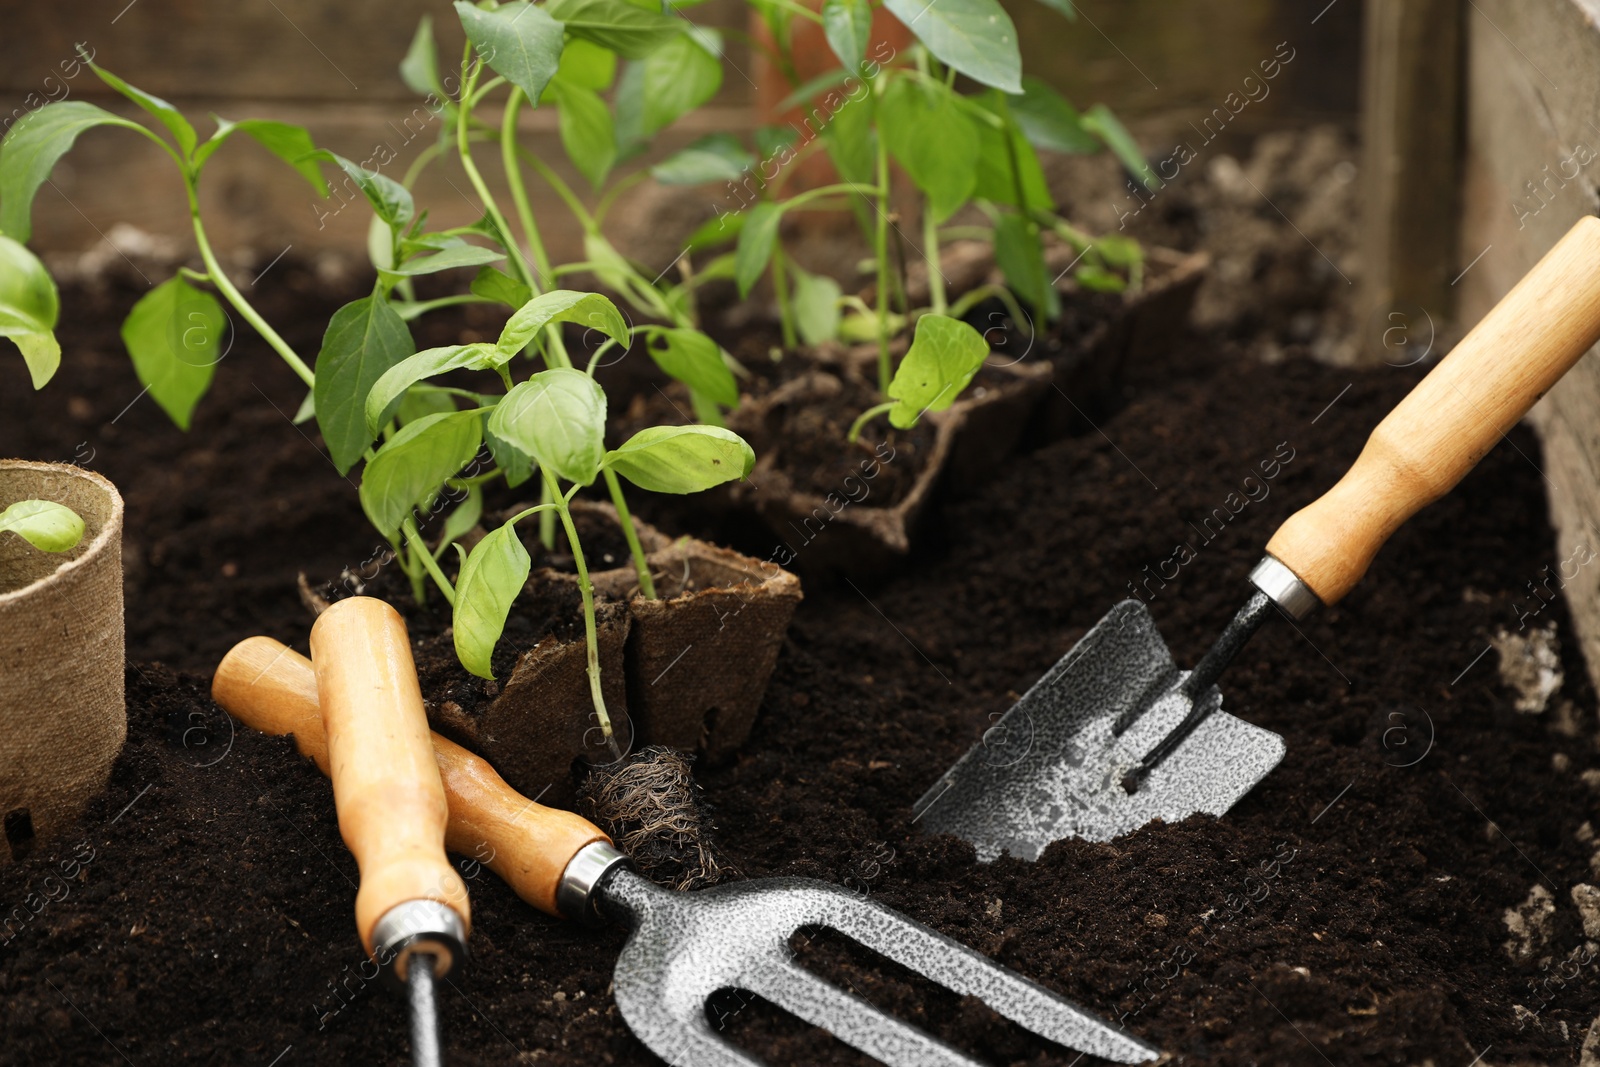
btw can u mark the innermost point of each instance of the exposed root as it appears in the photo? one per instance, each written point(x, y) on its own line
point(653, 810)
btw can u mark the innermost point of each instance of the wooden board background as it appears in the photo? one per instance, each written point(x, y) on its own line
point(332, 67)
point(1533, 98)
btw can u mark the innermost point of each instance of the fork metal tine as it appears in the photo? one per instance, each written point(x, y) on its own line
point(850, 1018)
point(963, 970)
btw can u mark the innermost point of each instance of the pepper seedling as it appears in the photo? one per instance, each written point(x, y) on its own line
point(553, 422)
point(882, 107)
point(175, 333)
point(44, 524)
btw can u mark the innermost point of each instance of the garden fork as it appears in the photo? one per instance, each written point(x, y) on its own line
point(684, 947)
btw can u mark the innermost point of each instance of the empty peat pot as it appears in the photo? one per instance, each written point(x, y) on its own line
point(62, 717)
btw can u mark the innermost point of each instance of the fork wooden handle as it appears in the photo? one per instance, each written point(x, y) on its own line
point(270, 687)
point(1452, 418)
point(386, 786)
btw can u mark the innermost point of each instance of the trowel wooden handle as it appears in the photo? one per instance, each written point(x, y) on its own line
point(1452, 418)
point(271, 688)
point(386, 785)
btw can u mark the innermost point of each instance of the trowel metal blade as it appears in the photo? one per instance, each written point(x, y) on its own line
point(1050, 767)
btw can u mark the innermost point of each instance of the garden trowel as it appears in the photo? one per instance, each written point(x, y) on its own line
point(1115, 734)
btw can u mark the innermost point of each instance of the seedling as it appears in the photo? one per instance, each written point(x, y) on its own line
point(553, 423)
point(423, 442)
point(175, 332)
point(957, 150)
point(44, 524)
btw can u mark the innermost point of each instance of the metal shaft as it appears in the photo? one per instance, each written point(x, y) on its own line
point(1205, 674)
point(424, 1011)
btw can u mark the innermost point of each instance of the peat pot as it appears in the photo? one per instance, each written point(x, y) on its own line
point(62, 718)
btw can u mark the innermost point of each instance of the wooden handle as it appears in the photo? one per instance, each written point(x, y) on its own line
point(392, 810)
point(272, 688)
point(1452, 418)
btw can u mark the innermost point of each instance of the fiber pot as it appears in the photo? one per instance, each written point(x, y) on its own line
point(843, 532)
point(1088, 374)
point(687, 670)
point(62, 718)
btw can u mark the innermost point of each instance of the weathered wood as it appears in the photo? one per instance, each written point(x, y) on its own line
point(1531, 168)
point(1411, 148)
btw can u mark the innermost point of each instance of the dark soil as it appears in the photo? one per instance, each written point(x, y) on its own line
point(1348, 911)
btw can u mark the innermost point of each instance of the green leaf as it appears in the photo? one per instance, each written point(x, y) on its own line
point(1119, 251)
point(848, 26)
point(1000, 181)
point(421, 401)
point(513, 462)
point(682, 459)
point(976, 37)
point(413, 464)
point(449, 259)
point(756, 242)
point(626, 29)
point(383, 398)
point(497, 285)
point(288, 142)
point(716, 157)
point(518, 40)
point(945, 353)
point(44, 524)
point(852, 140)
point(1069, 12)
point(391, 200)
point(679, 76)
point(364, 339)
point(30, 150)
point(492, 575)
point(1103, 124)
point(1049, 121)
point(561, 305)
point(463, 517)
point(934, 140)
point(29, 309)
point(717, 230)
point(174, 334)
point(420, 67)
point(559, 418)
point(1020, 257)
point(165, 113)
point(695, 360)
point(1095, 277)
point(816, 306)
point(586, 131)
point(587, 65)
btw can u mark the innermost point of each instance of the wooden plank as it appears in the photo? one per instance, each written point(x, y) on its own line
point(1532, 89)
point(1410, 154)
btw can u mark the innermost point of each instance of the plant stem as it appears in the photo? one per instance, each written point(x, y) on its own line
point(881, 248)
point(647, 584)
point(587, 590)
point(419, 548)
point(482, 189)
point(547, 518)
point(866, 417)
point(219, 278)
point(780, 285)
point(519, 191)
point(930, 250)
point(413, 573)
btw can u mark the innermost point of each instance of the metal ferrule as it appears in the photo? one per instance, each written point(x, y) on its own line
point(580, 883)
point(1284, 587)
point(419, 926)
